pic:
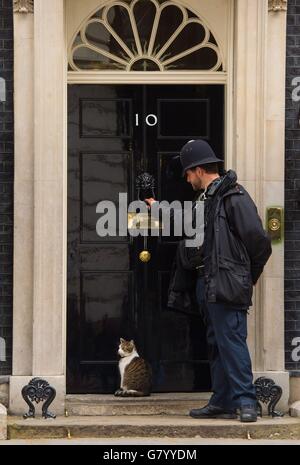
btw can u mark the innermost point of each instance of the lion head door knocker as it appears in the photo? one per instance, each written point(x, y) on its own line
point(145, 185)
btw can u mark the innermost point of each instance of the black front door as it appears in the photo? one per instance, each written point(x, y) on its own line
point(115, 133)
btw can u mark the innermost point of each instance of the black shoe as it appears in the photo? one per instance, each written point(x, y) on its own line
point(211, 411)
point(248, 413)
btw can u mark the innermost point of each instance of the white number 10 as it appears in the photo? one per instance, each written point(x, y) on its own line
point(151, 120)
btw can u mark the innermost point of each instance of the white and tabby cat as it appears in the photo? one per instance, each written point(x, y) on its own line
point(136, 376)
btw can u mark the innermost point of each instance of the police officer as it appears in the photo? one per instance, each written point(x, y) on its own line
point(235, 251)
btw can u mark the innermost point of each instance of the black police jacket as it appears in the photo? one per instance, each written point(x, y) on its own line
point(236, 247)
point(182, 286)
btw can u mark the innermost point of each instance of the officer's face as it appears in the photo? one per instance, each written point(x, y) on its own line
point(195, 178)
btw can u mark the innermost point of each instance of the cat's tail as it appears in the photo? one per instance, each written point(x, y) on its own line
point(134, 393)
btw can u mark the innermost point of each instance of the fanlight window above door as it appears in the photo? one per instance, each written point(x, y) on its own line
point(144, 35)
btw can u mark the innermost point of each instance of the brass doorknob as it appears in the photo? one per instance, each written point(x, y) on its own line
point(145, 256)
point(274, 224)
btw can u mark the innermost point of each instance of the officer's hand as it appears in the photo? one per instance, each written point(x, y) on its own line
point(150, 201)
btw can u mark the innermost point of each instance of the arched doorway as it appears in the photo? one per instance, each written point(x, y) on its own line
point(111, 139)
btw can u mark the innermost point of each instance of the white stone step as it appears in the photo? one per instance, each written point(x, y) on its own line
point(151, 426)
point(156, 404)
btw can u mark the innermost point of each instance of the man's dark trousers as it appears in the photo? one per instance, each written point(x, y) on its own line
point(230, 363)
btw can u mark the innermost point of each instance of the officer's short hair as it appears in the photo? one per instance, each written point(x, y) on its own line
point(210, 168)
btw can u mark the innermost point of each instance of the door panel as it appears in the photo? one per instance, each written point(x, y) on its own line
point(102, 177)
point(111, 293)
point(105, 118)
point(184, 112)
point(177, 118)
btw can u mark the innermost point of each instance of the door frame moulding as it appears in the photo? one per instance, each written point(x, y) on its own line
point(150, 77)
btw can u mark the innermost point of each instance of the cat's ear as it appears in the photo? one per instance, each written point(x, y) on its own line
point(132, 342)
point(122, 340)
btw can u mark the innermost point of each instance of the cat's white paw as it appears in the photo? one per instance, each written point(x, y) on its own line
point(119, 392)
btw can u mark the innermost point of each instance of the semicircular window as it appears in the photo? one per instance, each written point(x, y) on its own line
point(144, 35)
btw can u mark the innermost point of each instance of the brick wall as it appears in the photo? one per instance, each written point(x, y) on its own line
point(292, 193)
point(6, 183)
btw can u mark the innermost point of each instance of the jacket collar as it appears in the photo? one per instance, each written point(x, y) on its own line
point(222, 185)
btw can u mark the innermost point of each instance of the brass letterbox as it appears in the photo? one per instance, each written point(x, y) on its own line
point(143, 221)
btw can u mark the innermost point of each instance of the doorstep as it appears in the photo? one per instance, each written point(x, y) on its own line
point(171, 426)
point(156, 404)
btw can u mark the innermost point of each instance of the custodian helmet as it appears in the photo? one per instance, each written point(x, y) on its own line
point(195, 153)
